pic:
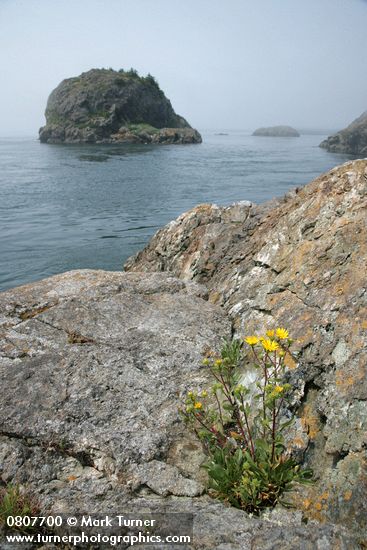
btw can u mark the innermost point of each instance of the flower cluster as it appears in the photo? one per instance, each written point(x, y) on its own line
point(274, 340)
point(242, 427)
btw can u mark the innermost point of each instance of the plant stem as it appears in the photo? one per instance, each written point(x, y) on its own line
point(264, 393)
point(212, 430)
point(279, 407)
point(240, 425)
point(273, 435)
point(228, 392)
point(248, 429)
point(221, 382)
point(220, 410)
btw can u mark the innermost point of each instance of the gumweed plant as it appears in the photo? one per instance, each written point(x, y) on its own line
point(17, 505)
point(242, 427)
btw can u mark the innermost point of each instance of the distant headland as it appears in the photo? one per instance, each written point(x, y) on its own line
point(276, 131)
point(107, 106)
point(352, 140)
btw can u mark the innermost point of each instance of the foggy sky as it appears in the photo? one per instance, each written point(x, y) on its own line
point(223, 64)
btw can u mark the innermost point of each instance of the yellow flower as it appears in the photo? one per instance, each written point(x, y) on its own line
point(278, 389)
point(282, 333)
point(218, 362)
point(252, 340)
point(198, 405)
point(190, 394)
point(270, 345)
point(204, 393)
point(205, 362)
point(270, 333)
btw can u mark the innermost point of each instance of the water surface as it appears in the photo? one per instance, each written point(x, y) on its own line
point(88, 206)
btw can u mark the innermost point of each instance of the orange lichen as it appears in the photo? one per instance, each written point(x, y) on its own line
point(306, 503)
point(214, 297)
point(298, 442)
point(310, 422)
point(344, 381)
point(313, 505)
point(289, 361)
point(347, 495)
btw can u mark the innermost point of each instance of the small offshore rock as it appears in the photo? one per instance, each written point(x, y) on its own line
point(277, 131)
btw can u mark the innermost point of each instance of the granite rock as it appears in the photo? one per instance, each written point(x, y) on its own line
point(299, 263)
point(94, 365)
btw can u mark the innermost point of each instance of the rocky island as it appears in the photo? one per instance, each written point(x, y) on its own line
point(107, 106)
point(352, 140)
point(95, 363)
point(276, 131)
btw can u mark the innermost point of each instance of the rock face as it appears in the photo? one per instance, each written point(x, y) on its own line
point(93, 365)
point(299, 263)
point(276, 131)
point(106, 106)
point(352, 140)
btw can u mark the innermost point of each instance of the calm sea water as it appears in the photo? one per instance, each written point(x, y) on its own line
point(68, 207)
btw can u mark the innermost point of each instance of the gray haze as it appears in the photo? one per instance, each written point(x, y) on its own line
point(224, 64)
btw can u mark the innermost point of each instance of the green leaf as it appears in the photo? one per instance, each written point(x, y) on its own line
point(285, 425)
